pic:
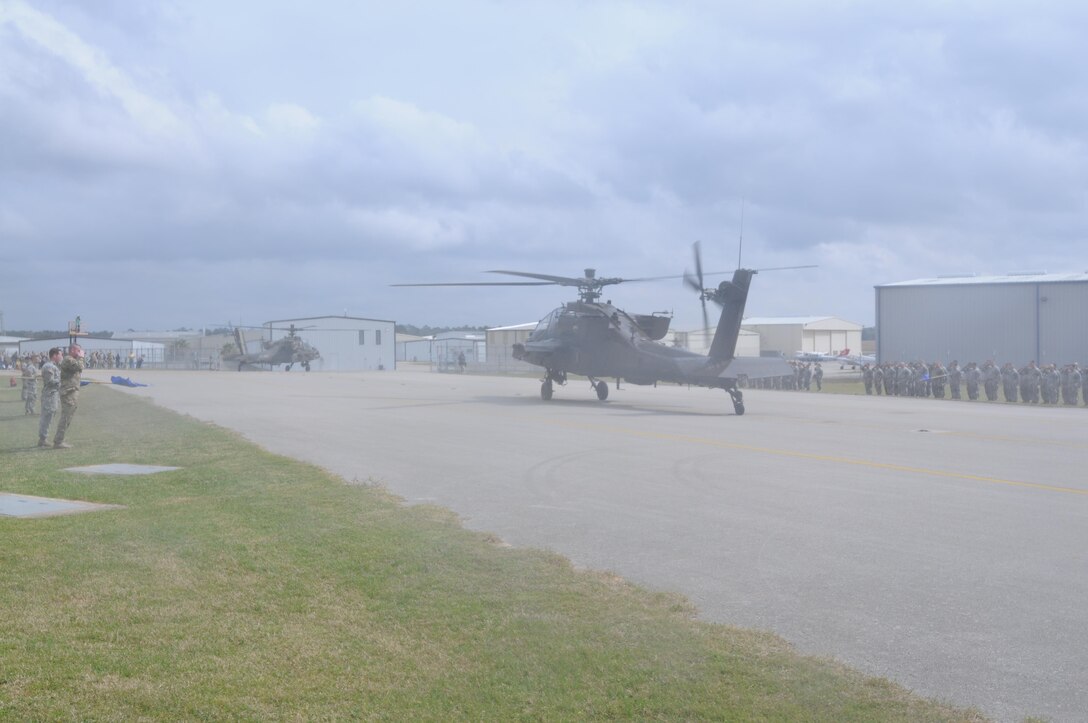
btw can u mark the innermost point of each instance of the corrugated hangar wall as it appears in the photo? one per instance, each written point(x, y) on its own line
point(1006, 322)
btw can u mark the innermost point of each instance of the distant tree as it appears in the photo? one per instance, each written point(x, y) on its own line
point(432, 330)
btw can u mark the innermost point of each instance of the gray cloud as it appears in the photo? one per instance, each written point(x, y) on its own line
point(268, 161)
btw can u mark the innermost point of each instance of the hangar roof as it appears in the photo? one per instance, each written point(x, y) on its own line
point(1014, 278)
point(783, 320)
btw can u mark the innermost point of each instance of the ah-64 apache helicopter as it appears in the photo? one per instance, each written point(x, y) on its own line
point(595, 339)
point(289, 350)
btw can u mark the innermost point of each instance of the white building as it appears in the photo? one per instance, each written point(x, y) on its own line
point(346, 343)
point(787, 335)
point(698, 341)
point(500, 347)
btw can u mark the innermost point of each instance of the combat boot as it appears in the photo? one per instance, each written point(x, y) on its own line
point(43, 442)
point(61, 445)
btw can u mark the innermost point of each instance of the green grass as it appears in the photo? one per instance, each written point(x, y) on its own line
point(248, 585)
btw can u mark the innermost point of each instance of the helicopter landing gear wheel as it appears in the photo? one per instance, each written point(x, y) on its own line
point(738, 401)
point(240, 364)
point(306, 366)
point(546, 390)
point(602, 390)
point(288, 367)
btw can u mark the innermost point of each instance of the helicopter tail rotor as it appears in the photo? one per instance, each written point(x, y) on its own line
point(695, 281)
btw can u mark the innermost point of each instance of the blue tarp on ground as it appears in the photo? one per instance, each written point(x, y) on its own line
point(126, 382)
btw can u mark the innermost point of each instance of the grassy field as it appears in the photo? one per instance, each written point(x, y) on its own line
point(247, 585)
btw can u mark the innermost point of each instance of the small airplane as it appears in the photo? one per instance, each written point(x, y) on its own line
point(594, 339)
point(289, 350)
point(844, 358)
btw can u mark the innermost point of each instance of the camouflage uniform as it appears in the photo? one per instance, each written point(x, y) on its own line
point(990, 379)
point(955, 378)
point(1010, 380)
point(70, 371)
point(937, 376)
point(50, 399)
point(867, 378)
point(878, 380)
point(1030, 377)
point(973, 376)
point(30, 386)
point(1052, 382)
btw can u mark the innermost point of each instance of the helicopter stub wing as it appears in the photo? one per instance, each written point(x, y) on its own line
point(756, 367)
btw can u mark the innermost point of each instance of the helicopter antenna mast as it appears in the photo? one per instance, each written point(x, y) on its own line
point(740, 246)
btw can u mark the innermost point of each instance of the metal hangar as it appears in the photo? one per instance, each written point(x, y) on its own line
point(1015, 318)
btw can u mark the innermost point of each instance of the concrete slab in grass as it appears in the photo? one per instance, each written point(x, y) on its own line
point(121, 469)
point(15, 505)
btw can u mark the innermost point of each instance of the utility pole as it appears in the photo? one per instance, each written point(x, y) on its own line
point(2, 324)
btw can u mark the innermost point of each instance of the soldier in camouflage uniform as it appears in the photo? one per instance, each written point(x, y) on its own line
point(878, 380)
point(1066, 376)
point(1030, 377)
point(1010, 381)
point(1084, 386)
point(30, 386)
point(991, 377)
point(50, 395)
point(867, 378)
point(955, 378)
point(973, 376)
point(1052, 382)
point(71, 369)
point(937, 377)
point(1075, 379)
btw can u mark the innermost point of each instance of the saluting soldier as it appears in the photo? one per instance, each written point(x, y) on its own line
point(878, 379)
point(71, 370)
point(867, 378)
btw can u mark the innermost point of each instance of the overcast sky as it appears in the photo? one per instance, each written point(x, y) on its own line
point(168, 164)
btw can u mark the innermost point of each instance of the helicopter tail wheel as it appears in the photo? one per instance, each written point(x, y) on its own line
point(602, 390)
point(546, 390)
point(738, 401)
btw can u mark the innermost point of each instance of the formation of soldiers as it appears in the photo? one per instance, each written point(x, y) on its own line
point(1030, 384)
point(805, 377)
point(113, 360)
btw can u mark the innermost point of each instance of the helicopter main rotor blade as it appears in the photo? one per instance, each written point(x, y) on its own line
point(485, 283)
point(787, 268)
point(571, 281)
point(561, 280)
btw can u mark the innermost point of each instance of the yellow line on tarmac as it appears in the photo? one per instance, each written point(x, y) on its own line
point(824, 457)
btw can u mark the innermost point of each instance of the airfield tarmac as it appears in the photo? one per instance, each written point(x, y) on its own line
point(943, 545)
